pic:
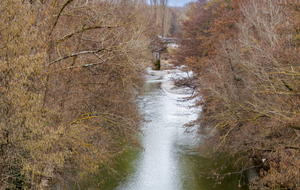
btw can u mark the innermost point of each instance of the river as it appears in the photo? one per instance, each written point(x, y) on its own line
point(168, 160)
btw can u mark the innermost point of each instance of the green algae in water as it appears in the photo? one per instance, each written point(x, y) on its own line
point(109, 179)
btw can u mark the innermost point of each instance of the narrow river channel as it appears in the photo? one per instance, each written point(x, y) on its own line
point(169, 160)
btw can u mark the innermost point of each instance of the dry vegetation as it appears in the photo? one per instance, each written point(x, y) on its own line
point(245, 58)
point(69, 72)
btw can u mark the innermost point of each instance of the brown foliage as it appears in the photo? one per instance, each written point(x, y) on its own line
point(70, 71)
point(247, 75)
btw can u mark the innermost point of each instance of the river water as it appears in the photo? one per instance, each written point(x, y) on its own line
point(168, 160)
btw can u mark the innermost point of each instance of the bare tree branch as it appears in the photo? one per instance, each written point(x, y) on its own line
point(82, 30)
point(59, 13)
point(82, 53)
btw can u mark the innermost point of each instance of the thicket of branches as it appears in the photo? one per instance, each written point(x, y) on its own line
point(69, 72)
point(245, 58)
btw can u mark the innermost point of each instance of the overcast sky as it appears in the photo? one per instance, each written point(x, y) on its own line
point(178, 3)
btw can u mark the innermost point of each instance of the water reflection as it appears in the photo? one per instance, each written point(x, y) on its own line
point(168, 161)
point(157, 167)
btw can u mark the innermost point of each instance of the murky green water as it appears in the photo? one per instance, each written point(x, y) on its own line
point(168, 161)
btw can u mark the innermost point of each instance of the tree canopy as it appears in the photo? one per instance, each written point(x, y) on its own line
point(69, 73)
point(245, 59)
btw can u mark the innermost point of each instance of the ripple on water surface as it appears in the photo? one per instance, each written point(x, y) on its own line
point(168, 161)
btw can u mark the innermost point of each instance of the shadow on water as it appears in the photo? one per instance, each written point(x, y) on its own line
point(107, 179)
point(169, 160)
point(191, 167)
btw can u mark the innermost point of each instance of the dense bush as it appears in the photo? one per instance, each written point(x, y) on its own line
point(245, 57)
point(69, 72)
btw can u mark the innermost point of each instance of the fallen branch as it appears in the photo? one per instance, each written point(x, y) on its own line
point(238, 172)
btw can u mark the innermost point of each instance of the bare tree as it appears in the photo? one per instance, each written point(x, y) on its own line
point(69, 73)
point(246, 66)
point(164, 7)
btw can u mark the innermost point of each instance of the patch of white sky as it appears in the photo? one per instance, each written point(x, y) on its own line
point(177, 3)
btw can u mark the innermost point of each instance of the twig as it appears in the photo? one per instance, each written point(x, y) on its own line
point(59, 13)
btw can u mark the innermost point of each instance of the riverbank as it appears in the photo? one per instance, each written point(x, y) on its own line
point(166, 77)
point(168, 160)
